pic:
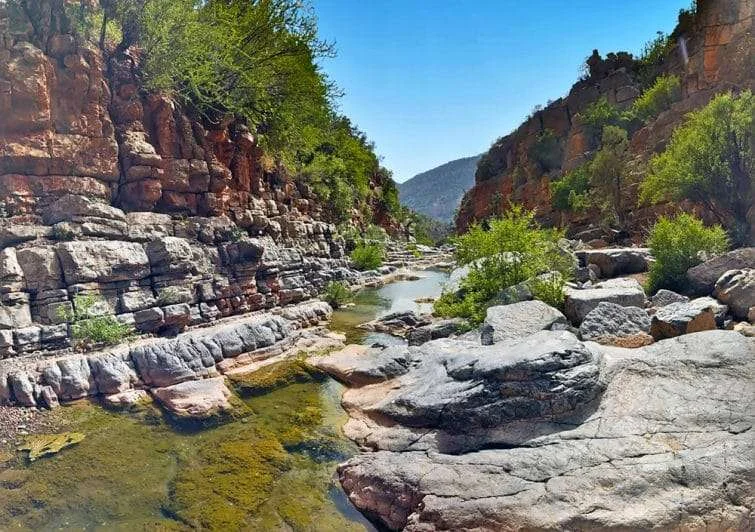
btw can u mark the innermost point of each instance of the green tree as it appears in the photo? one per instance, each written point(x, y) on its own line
point(608, 170)
point(658, 98)
point(709, 160)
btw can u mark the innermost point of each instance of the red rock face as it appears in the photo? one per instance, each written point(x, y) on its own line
point(56, 135)
point(719, 58)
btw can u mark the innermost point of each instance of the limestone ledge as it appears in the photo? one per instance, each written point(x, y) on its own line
point(151, 363)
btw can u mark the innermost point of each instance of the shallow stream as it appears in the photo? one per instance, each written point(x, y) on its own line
point(271, 468)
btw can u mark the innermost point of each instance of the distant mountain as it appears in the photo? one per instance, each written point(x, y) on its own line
point(438, 192)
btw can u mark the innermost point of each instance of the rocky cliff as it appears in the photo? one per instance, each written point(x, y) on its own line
point(110, 190)
point(712, 55)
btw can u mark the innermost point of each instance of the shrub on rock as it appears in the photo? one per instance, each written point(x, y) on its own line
point(678, 244)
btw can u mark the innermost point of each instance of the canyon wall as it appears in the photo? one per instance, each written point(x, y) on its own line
point(109, 190)
point(719, 57)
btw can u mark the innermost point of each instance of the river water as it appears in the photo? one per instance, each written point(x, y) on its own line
point(271, 468)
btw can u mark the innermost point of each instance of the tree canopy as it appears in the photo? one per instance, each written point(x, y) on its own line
point(710, 160)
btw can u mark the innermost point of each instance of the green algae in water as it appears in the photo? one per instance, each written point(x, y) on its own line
point(134, 471)
point(275, 376)
point(40, 445)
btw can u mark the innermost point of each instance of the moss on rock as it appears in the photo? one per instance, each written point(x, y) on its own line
point(276, 376)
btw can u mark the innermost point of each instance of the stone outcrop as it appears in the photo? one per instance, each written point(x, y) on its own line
point(467, 437)
point(158, 364)
point(711, 54)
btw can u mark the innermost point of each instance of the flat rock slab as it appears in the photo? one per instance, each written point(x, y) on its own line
point(669, 447)
point(580, 302)
point(201, 399)
point(513, 322)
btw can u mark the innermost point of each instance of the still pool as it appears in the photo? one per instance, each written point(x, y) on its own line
point(270, 468)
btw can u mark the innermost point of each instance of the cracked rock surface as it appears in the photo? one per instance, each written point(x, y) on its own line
point(662, 437)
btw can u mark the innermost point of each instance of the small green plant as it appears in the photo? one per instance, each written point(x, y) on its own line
point(91, 328)
point(658, 98)
point(549, 288)
point(337, 294)
point(597, 115)
point(677, 244)
point(367, 256)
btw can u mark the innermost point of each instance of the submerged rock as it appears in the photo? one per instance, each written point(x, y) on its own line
point(199, 400)
point(40, 445)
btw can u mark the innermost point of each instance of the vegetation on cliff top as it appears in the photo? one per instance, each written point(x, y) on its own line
point(252, 64)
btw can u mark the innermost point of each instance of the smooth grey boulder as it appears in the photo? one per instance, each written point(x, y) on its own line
point(458, 386)
point(736, 290)
point(75, 208)
point(22, 388)
point(668, 447)
point(193, 356)
point(70, 378)
point(613, 324)
point(435, 330)
point(358, 365)
point(616, 261)
point(665, 297)
point(581, 301)
point(702, 278)
point(513, 322)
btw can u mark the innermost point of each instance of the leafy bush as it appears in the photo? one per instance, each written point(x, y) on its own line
point(90, 327)
point(710, 160)
point(570, 192)
point(367, 256)
point(677, 244)
point(549, 288)
point(336, 294)
point(658, 98)
point(547, 150)
point(514, 249)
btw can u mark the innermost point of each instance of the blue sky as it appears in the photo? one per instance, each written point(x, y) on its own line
point(434, 80)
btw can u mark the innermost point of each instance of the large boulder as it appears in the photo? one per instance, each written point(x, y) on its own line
point(102, 261)
point(459, 387)
point(516, 321)
point(358, 365)
point(736, 289)
point(702, 278)
point(616, 261)
point(580, 302)
point(198, 400)
point(613, 324)
point(668, 446)
point(683, 318)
